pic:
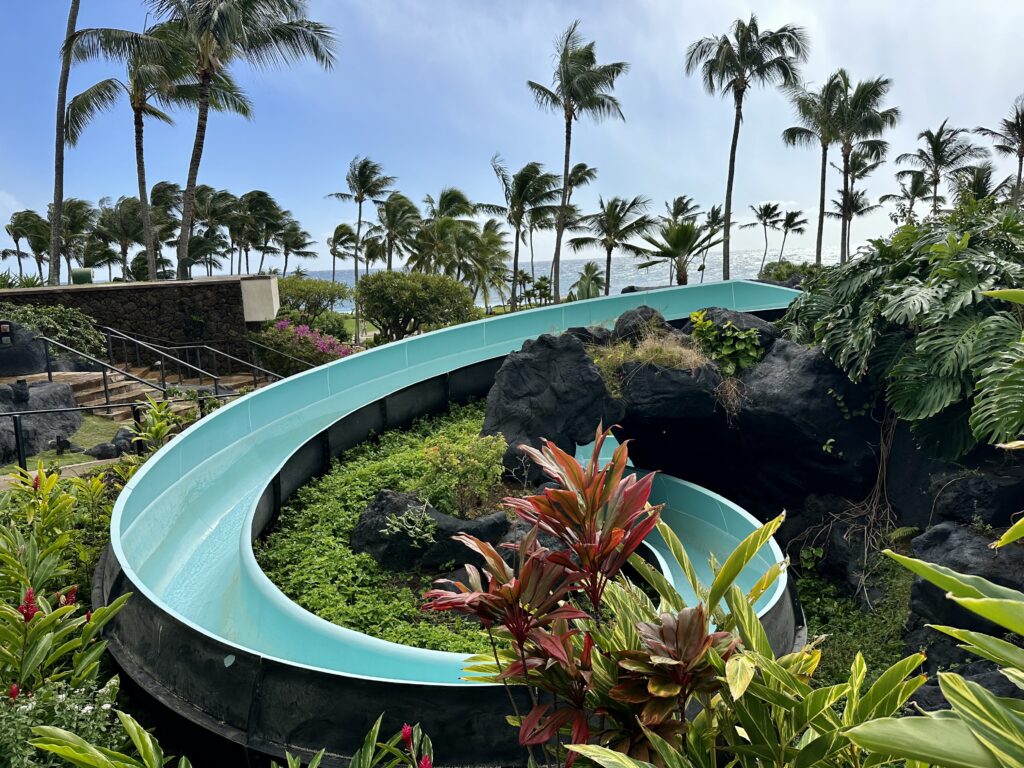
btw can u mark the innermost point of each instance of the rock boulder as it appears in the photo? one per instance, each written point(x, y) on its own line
point(39, 430)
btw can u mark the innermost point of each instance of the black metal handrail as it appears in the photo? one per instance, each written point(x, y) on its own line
point(163, 356)
point(104, 367)
point(137, 406)
point(254, 343)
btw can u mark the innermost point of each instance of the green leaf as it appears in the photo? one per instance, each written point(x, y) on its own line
point(1016, 295)
point(957, 584)
point(739, 671)
point(945, 742)
point(608, 758)
point(1009, 614)
point(1015, 532)
point(147, 747)
point(992, 648)
point(996, 726)
point(739, 558)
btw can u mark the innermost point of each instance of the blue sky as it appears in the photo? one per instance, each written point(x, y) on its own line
point(433, 88)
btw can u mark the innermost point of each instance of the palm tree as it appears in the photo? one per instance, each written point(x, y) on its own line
point(713, 223)
point(848, 206)
point(19, 229)
point(679, 244)
point(945, 151)
point(218, 34)
point(341, 246)
point(733, 65)
point(79, 221)
point(816, 112)
point(682, 207)
point(538, 220)
point(530, 188)
point(913, 187)
point(294, 241)
point(487, 268)
point(580, 87)
point(860, 120)
point(1008, 139)
point(792, 221)
point(366, 182)
point(158, 72)
point(589, 284)
point(617, 222)
point(120, 224)
point(56, 219)
point(768, 216)
point(165, 212)
point(398, 218)
point(265, 220)
point(975, 182)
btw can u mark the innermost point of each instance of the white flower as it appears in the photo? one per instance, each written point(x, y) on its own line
point(105, 707)
point(87, 709)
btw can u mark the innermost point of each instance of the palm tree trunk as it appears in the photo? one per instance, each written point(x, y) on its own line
point(764, 258)
point(17, 250)
point(682, 278)
point(821, 205)
point(533, 274)
point(147, 222)
point(935, 195)
point(1020, 170)
point(188, 198)
point(556, 261)
point(110, 272)
point(844, 222)
point(514, 301)
point(391, 252)
point(785, 234)
point(284, 272)
point(607, 270)
point(39, 266)
point(124, 262)
point(738, 100)
point(58, 152)
point(355, 262)
point(246, 260)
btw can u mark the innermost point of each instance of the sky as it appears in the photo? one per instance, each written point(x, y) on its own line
point(431, 89)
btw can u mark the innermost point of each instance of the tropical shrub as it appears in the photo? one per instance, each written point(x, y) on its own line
point(784, 271)
point(404, 303)
point(980, 730)
point(306, 299)
point(910, 318)
point(87, 711)
point(661, 350)
point(64, 324)
point(307, 554)
point(733, 349)
point(292, 341)
point(410, 747)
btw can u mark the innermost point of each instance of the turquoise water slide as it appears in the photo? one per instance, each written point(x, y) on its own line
point(182, 530)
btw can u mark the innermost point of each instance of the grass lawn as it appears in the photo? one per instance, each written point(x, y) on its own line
point(93, 430)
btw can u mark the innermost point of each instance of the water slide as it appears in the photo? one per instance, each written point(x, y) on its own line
point(210, 637)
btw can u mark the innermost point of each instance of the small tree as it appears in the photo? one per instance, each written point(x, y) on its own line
point(308, 298)
point(404, 303)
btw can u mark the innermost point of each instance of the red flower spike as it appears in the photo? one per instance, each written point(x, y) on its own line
point(35, 483)
point(426, 762)
point(407, 736)
point(88, 616)
point(14, 692)
point(29, 608)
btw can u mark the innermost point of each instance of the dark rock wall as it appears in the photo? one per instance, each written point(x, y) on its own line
point(182, 312)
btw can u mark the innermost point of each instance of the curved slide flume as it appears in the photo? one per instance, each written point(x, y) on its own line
point(207, 633)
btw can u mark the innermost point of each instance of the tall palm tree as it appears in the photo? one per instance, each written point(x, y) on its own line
point(792, 221)
point(681, 207)
point(767, 216)
point(79, 221)
point(366, 181)
point(120, 224)
point(1008, 139)
point(294, 241)
point(56, 219)
point(341, 245)
point(914, 186)
point(486, 269)
point(579, 88)
point(530, 188)
point(736, 62)
point(848, 206)
point(165, 212)
point(265, 220)
point(860, 121)
point(158, 77)
point(816, 113)
point(538, 220)
point(398, 218)
point(976, 182)
point(590, 283)
point(617, 222)
point(945, 151)
point(219, 34)
point(679, 244)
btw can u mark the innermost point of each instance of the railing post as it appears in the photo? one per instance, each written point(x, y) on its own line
point(19, 442)
point(137, 418)
point(106, 390)
point(216, 386)
point(163, 374)
point(46, 354)
point(138, 357)
point(110, 348)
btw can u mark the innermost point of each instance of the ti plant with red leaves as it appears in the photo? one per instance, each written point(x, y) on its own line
point(602, 662)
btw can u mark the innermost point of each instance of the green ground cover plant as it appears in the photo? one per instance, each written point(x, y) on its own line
point(662, 351)
point(443, 460)
point(64, 324)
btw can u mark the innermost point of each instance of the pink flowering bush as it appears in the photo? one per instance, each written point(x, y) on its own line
point(297, 343)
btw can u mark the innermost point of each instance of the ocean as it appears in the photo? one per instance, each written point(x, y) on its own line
point(745, 265)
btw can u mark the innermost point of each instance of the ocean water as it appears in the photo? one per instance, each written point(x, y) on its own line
point(745, 265)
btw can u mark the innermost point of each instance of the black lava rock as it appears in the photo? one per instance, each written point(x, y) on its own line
point(40, 429)
point(766, 332)
point(550, 389)
point(637, 324)
point(104, 451)
point(399, 552)
point(650, 391)
point(591, 335)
